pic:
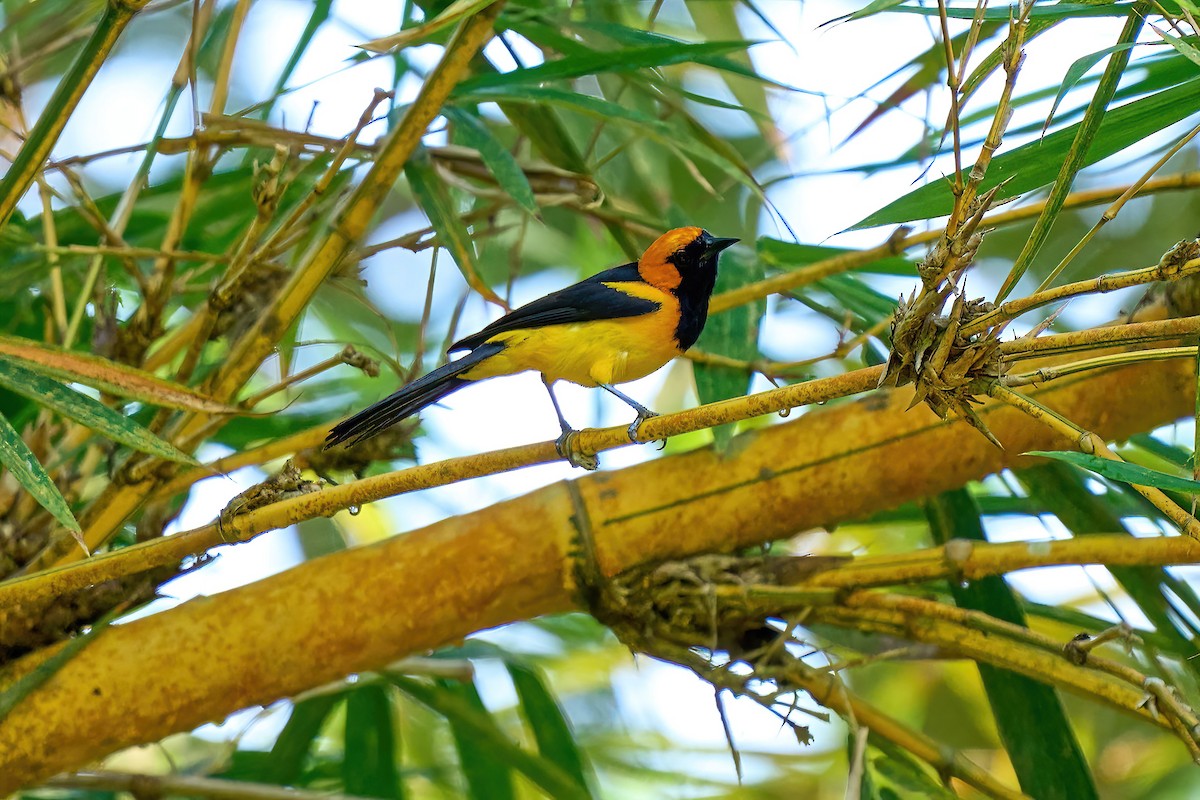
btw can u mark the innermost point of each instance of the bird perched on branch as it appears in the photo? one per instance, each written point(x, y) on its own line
point(616, 326)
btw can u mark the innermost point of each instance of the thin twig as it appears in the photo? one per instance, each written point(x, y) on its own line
point(141, 785)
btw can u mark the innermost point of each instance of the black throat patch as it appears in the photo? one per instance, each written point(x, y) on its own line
point(698, 277)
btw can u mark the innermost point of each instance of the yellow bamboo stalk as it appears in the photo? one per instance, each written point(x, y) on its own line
point(41, 583)
point(1011, 309)
point(159, 552)
point(520, 558)
point(1097, 338)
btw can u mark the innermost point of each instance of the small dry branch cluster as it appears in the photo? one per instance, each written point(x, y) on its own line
point(929, 349)
point(736, 621)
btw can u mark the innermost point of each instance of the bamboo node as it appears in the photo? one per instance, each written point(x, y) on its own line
point(957, 553)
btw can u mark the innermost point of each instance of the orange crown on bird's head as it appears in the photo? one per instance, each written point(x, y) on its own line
point(655, 266)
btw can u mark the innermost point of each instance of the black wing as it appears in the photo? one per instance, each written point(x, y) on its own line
point(585, 301)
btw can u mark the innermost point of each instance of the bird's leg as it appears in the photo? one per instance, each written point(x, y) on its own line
point(566, 444)
point(643, 413)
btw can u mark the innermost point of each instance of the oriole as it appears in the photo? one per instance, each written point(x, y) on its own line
point(616, 326)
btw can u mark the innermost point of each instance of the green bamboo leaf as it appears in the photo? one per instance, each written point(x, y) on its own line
point(869, 10)
point(892, 773)
point(369, 766)
point(108, 376)
point(285, 762)
point(789, 255)
point(871, 306)
point(482, 729)
point(1001, 13)
point(1174, 454)
point(1182, 44)
point(693, 139)
point(434, 199)
point(737, 63)
point(545, 719)
point(733, 334)
point(1049, 766)
point(488, 774)
point(629, 59)
point(1033, 165)
point(1153, 74)
point(713, 102)
point(1122, 471)
point(499, 161)
point(1076, 71)
point(583, 103)
point(86, 411)
point(24, 466)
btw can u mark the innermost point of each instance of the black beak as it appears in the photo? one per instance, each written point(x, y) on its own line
point(717, 245)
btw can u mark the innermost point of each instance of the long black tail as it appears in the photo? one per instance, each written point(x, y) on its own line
point(410, 399)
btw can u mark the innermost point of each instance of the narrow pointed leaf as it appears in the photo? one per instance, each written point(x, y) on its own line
point(16, 456)
point(1122, 471)
point(1033, 165)
point(870, 9)
point(690, 138)
point(1183, 45)
point(369, 767)
point(109, 376)
point(629, 59)
point(787, 255)
point(434, 199)
point(737, 63)
point(86, 411)
point(1076, 71)
point(1002, 13)
point(499, 161)
point(285, 761)
point(583, 103)
point(555, 739)
point(489, 777)
point(462, 712)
